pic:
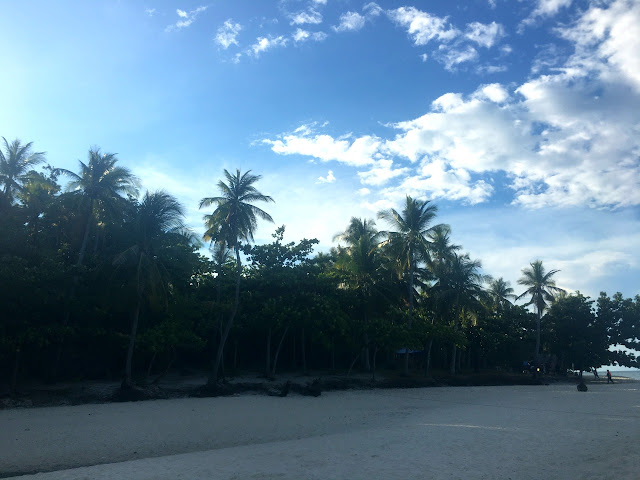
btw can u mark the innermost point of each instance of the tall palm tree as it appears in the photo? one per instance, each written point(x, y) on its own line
point(411, 227)
point(360, 265)
point(100, 180)
point(234, 221)
point(156, 215)
point(15, 163)
point(460, 286)
point(542, 289)
point(441, 253)
point(501, 294)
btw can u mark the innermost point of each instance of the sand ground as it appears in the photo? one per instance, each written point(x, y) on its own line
point(511, 432)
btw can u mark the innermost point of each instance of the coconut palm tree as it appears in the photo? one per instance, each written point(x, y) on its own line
point(234, 221)
point(441, 254)
point(100, 181)
point(360, 266)
point(460, 286)
point(357, 229)
point(542, 289)
point(501, 294)
point(155, 216)
point(411, 229)
point(15, 163)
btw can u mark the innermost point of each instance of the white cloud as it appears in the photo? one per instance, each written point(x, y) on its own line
point(423, 27)
point(424, 57)
point(227, 34)
point(372, 9)
point(452, 57)
point(310, 16)
point(568, 139)
point(301, 35)
point(494, 92)
point(543, 9)
point(484, 35)
point(187, 18)
point(150, 12)
point(266, 43)
point(304, 141)
point(608, 42)
point(330, 178)
point(319, 2)
point(381, 173)
point(350, 22)
point(548, 8)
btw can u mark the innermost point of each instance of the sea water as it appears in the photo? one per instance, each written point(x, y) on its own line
point(634, 374)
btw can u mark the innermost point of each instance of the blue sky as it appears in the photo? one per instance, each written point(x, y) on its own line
point(519, 119)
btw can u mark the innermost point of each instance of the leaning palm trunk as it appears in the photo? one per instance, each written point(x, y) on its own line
point(275, 357)
point(213, 379)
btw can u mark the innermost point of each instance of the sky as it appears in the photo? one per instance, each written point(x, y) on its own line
point(519, 119)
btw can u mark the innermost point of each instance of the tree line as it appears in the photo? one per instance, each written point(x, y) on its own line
point(99, 280)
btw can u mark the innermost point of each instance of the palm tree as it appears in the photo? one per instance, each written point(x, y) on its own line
point(15, 163)
point(542, 289)
point(357, 229)
point(156, 215)
point(100, 180)
point(441, 254)
point(360, 265)
point(500, 293)
point(460, 285)
point(36, 197)
point(411, 227)
point(233, 221)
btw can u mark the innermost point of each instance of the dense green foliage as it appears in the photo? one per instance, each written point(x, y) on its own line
point(99, 284)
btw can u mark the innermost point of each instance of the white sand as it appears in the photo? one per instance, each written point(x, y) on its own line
point(550, 432)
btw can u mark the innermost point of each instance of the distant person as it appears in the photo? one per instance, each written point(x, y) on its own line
point(609, 379)
point(595, 374)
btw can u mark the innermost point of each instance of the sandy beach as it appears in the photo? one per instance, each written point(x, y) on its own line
point(516, 432)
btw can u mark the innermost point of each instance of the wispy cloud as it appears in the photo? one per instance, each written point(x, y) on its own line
point(301, 35)
point(423, 27)
point(350, 22)
point(543, 9)
point(150, 12)
point(372, 9)
point(484, 35)
point(267, 43)
point(228, 33)
point(310, 16)
point(185, 19)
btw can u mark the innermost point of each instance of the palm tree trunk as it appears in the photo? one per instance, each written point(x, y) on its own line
point(275, 357)
point(85, 239)
point(267, 360)
point(428, 362)
point(16, 369)
point(132, 340)
point(304, 353)
point(538, 334)
point(405, 368)
point(213, 379)
point(72, 291)
point(452, 367)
